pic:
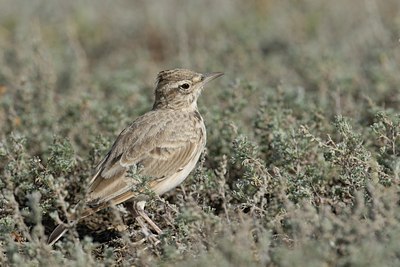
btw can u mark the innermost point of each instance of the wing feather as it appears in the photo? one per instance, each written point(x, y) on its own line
point(160, 150)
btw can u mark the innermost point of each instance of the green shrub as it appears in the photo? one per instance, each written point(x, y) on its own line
point(302, 161)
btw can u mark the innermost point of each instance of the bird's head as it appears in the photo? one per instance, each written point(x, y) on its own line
point(180, 88)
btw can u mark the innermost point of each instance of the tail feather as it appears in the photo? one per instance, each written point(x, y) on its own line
point(61, 229)
point(57, 233)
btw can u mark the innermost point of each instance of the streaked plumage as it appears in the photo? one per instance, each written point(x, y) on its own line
point(164, 145)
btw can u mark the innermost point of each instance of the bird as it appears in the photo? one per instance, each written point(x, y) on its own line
point(163, 146)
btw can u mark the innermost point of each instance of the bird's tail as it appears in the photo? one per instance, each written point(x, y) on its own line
point(57, 233)
point(61, 229)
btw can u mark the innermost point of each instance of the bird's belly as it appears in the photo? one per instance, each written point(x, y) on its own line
point(174, 180)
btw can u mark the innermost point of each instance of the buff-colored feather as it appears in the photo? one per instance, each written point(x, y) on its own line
point(163, 145)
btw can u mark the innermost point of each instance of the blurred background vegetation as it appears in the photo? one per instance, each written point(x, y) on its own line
point(302, 163)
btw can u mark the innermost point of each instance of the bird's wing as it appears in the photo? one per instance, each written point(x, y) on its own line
point(156, 150)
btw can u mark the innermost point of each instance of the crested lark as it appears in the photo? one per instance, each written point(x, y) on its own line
point(163, 145)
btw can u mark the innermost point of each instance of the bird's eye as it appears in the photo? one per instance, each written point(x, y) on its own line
point(185, 86)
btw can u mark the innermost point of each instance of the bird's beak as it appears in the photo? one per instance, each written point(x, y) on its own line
point(208, 77)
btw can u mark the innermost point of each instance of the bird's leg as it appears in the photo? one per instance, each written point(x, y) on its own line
point(139, 209)
point(148, 235)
